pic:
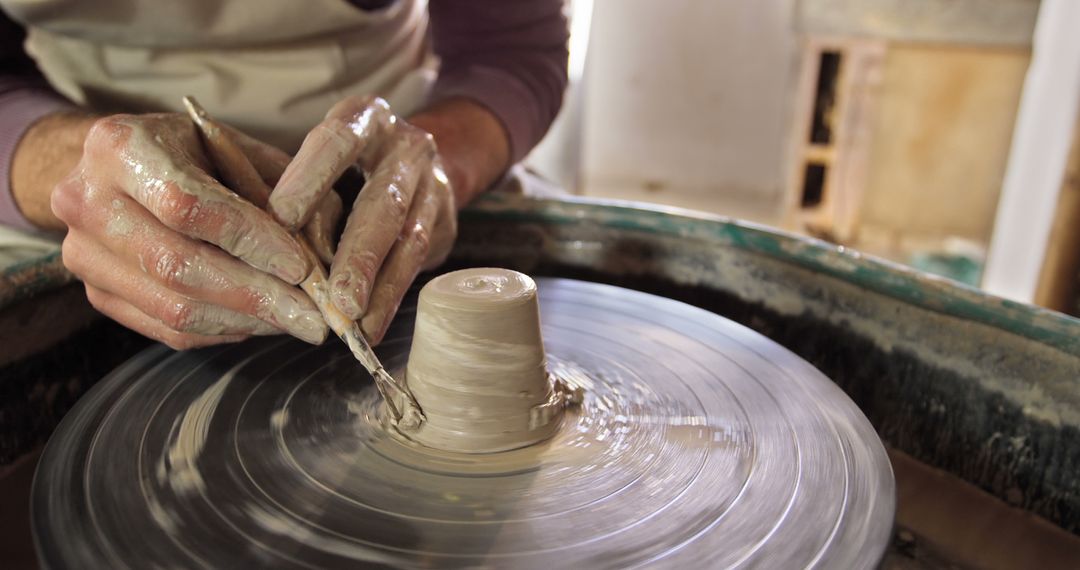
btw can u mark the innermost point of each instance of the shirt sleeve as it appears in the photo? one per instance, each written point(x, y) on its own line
point(508, 55)
point(25, 97)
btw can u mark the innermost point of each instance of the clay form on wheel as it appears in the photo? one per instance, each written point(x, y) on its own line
point(699, 444)
point(477, 365)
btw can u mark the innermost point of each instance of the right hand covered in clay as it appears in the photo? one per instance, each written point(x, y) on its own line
point(166, 250)
point(403, 221)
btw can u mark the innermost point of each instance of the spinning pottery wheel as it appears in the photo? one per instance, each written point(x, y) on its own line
point(699, 444)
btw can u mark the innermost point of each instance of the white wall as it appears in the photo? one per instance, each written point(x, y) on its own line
point(1038, 157)
point(689, 95)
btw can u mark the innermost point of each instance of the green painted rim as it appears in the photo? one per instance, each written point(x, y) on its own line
point(891, 279)
point(25, 279)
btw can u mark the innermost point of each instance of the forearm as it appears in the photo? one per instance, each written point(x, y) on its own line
point(509, 56)
point(46, 153)
point(26, 99)
point(473, 144)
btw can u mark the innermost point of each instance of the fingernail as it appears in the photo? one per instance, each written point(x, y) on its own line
point(298, 317)
point(286, 212)
point(344, 291)
point(309, 326)
point(325, 249)
point(289, 268)
point(265, 329)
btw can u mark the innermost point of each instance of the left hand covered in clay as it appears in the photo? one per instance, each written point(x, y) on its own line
point(403, 221)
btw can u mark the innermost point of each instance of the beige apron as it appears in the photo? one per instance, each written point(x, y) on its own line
point(270, 67)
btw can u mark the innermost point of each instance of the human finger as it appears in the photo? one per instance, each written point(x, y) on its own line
point(349, 130)
point(444, 229)
point(97, 266)
point(402, 264)
point(374, 225)
point(188, 200)
point(233, 166)
point(200, 271)
point(269, 160)
point(238, 171)
point(126, 314)
point(321, 229)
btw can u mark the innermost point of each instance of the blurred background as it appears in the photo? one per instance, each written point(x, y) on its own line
point(934, 133)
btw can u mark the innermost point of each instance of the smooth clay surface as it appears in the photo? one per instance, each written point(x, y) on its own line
point(477, 366)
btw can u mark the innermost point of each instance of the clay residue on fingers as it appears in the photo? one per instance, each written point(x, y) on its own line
point(120, 223)
point(285, 307)
point(164, 179)
point(206, 319)
point(372, 229)
point(294, 314)
point(349, 130)
point(320, 230)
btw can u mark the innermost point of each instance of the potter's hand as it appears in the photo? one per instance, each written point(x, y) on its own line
point(166, 250)
point(403, 220)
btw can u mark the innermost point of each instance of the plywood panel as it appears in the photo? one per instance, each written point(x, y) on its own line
point(983, 22)
point(1060, 272)
point(941, 139)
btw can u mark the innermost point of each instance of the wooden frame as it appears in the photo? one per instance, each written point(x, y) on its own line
point(1039, 158)
point(845, 157)
point(1059, 277)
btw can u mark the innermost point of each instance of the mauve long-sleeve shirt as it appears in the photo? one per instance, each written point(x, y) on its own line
point(509, 55)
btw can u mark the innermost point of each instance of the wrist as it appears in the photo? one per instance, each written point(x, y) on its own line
point(47, 152)
point(472, 142)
